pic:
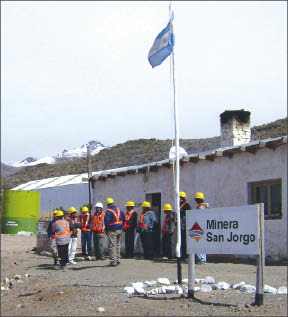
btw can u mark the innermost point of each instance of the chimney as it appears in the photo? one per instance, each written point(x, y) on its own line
point(235, 127)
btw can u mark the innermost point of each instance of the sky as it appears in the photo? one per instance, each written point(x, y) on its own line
point(75, 71)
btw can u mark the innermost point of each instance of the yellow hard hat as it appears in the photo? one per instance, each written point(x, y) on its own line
point(146, 204)
point(85, 209)
point(59, 213)
point(200, 195)
point(167, 207)
point(72, 209)
point(109, 200)
point(182, 194)
point(130, 204)
point(55, 212)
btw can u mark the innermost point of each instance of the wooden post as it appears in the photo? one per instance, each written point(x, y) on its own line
point(191, 275)
point(260, 259)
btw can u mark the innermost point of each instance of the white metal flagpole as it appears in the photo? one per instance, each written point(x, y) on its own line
point(177, 175)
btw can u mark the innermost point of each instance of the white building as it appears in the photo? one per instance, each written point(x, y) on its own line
point(239, 173)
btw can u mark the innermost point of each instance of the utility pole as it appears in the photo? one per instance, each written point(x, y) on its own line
point(89, 172)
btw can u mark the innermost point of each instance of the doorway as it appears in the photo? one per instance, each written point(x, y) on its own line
point(155, 201)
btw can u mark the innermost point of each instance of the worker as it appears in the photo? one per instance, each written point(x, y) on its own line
point(98, 231)
point(74, 226)
point(86, 233)
point(145, 227)
point(129, 228)
point(167, 231)
point(114, 223)
point(51, 237)
point(199, 199)
point(62, 233)
point(184, 205)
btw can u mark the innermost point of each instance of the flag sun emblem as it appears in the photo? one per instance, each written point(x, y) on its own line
point(196, 232)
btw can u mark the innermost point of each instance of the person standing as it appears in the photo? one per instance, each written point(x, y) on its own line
point(145, 227)
point(62, 233)
point(183, 207)
point(114, 223)
point(74, 225)
point(167, 231)
point(86, 233)
point(129, 228)
point(98, 231)
point(199, 199)
point(51, 237)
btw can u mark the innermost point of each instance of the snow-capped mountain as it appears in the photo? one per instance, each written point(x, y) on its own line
point(64, 156)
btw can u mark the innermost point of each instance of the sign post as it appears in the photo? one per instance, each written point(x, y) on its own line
point(227, 231)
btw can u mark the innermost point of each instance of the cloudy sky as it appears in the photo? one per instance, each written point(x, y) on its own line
point(76, 71)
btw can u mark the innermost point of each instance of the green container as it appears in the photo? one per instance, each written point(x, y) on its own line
point(20, 211)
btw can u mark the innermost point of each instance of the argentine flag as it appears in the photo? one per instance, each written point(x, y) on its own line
point(162, 46)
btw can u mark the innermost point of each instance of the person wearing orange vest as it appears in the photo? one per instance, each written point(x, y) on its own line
point(183, 207)
point(62, 233)
point(167, 231)
point(98, 231)
point(86, 233)
point(114, 222)
point(74, 225)
point(199, 199)
point(129, 228)
point(51, 237)
point(145, 227)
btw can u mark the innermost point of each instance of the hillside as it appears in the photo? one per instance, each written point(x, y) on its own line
point(133, 152)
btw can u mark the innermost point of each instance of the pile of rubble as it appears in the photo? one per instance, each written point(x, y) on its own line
point(9, 283)
point(205, 285)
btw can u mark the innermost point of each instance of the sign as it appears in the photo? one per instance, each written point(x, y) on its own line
point(227, 230)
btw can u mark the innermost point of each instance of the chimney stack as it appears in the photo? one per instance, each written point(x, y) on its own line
point(235, 127)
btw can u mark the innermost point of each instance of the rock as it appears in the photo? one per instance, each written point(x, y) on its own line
point(238, 286)
point(100, 310)
point(11, 283)
point(209, 280)
point(162, 290)
point(139, 290)
point(150, 283)
point(222, 285)
point(27, 275)
point(60, 293)
point(17, 277)
point(129, 290)
point(6, 280)
point(206, 288)
point(282, 290)
point(138, 284)
point(248, 288)
point(269, 289)
point(45, 253)
point(163, 280)
point(199, 281)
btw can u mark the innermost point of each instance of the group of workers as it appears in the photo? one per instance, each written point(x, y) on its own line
point(62, 231)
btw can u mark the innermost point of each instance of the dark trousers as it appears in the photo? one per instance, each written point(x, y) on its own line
point(167, 245)
point(183, 245)
point(86, 238)
point(63, 253)
point(98, 240)
point(129, 243)
point(147, 244)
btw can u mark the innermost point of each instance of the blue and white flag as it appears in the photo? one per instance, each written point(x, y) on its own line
point(162, 46)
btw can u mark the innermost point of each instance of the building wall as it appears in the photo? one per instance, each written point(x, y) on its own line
point(224, 181)
point(65, 196)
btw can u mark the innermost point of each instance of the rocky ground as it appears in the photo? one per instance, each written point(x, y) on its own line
point(82, 289)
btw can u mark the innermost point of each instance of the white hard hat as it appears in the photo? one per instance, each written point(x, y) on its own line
point(100, 205)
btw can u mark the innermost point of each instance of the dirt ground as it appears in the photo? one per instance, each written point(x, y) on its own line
point(81, 289)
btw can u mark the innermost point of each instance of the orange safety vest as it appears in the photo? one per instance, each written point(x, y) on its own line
point(185, 203)
point(141, 224)
point(164, 227)
point(127, 218)
point(98, 222)
point(66, 231)
point(85, 225)
point(117, 217)
point(202, 205)
point(74, 221)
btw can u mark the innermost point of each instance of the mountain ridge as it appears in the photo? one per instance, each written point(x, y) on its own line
point(133, 152)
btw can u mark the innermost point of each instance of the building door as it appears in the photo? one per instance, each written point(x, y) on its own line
point(155, 201)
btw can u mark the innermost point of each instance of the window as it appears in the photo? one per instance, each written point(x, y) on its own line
point(269, 193)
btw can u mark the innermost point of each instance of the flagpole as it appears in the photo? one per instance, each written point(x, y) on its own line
point(177, 174)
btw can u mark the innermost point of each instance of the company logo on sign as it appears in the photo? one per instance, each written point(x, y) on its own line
point(196, 232)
